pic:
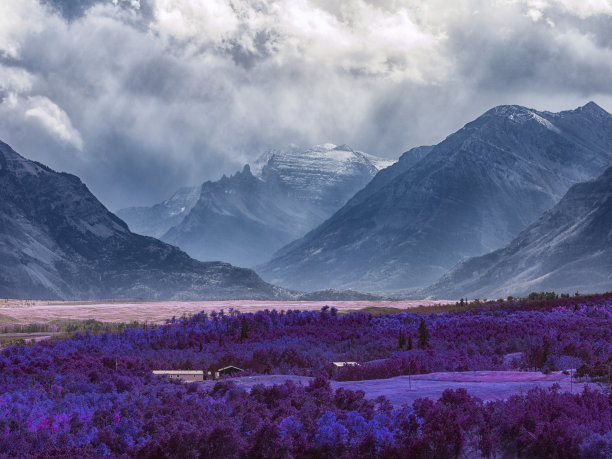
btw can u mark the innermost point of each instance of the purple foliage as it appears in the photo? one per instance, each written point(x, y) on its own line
point(95, 395)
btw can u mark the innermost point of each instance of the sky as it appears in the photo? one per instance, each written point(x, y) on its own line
point(141, 97)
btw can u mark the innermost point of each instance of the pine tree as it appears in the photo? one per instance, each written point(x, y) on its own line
point(423, 335)
point(402, 340)
point(244, 329)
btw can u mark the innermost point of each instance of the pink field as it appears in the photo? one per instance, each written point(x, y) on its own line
point(21, 311)
point(487, 385)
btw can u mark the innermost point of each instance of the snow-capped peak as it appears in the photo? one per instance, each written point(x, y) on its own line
point(326, 156)
point(522, 115)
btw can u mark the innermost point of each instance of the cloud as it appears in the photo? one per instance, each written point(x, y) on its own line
point(141, 97)
point(586, 8)
point(212, 20)
point(54, 120)
point(14, 80)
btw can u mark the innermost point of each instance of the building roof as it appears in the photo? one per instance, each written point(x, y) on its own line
point(178, 372)
point(230, 367)
point(341, 364)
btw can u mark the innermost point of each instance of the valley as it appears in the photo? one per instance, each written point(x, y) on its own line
point(305, 229)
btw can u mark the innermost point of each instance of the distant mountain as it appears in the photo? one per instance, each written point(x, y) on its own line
point(57, 241)
point(157, 220)
point(568, 249)
point(244, 219)
point(470, 194)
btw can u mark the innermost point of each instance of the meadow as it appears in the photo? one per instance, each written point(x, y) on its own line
point(94, 394)
point(36, 311)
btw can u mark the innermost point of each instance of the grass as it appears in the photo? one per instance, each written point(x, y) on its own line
point(7, 320)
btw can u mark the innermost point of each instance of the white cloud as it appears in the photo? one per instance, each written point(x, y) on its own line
point(534, 14)
point(15, 80)
point(366, 39)
point(14, 29)
point(586, 8)
point(54, 120)
point(203, 21)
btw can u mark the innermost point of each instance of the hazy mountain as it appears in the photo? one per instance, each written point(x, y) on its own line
point(245, 218)
point(57, 241)
point(158, 219)
point(568, 249)
point(471, 194)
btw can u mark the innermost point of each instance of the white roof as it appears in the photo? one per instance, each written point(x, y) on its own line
point(341, 364)
point(178, 372)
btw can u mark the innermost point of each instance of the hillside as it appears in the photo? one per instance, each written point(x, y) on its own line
point(57, 241)
point(471, 194)
point(245, 218)
point(568, 249)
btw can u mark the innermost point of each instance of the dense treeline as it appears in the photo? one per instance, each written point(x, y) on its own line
point(95, 394)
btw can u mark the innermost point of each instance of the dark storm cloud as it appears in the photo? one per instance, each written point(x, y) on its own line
point(263, 47)
point(71, 9)
point(74, 9)
point(561, 53)
point(141, 97)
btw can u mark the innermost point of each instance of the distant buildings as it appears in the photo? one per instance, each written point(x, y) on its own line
point(342, 364)
point(197, 375)
point(184, 375)
point(229, 370)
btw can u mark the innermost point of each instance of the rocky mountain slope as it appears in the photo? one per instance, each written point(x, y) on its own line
point(471, 194)
point(244, 219)
point(158, 219)
point(568, 249)
point(57, 241)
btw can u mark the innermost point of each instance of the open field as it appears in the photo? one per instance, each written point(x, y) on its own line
point(27, 311)
point(486, 385)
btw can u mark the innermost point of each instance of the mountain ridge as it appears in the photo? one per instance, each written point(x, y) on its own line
point(246, 217)
point(569, 248)
point(57, 241)
point(471, 194)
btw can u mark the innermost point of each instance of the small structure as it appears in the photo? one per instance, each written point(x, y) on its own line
point(183, 375)
point(337, 365)
point(342, 364)
point(229, 370)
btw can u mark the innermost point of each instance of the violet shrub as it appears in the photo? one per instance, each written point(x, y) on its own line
point(95, 395)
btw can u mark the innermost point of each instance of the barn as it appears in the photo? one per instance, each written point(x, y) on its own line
point(229, 370)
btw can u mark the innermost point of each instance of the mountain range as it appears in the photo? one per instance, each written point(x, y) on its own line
point(57, 241)
point(567, 249)
point(516, 201)
point(245, 218)
point(472, 193)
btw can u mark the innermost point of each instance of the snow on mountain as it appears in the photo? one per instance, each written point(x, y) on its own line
point(57, 241)
point(326, 173)
point(245, 218)
point(470, 194)
point(157, 220)
point(568, 249)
